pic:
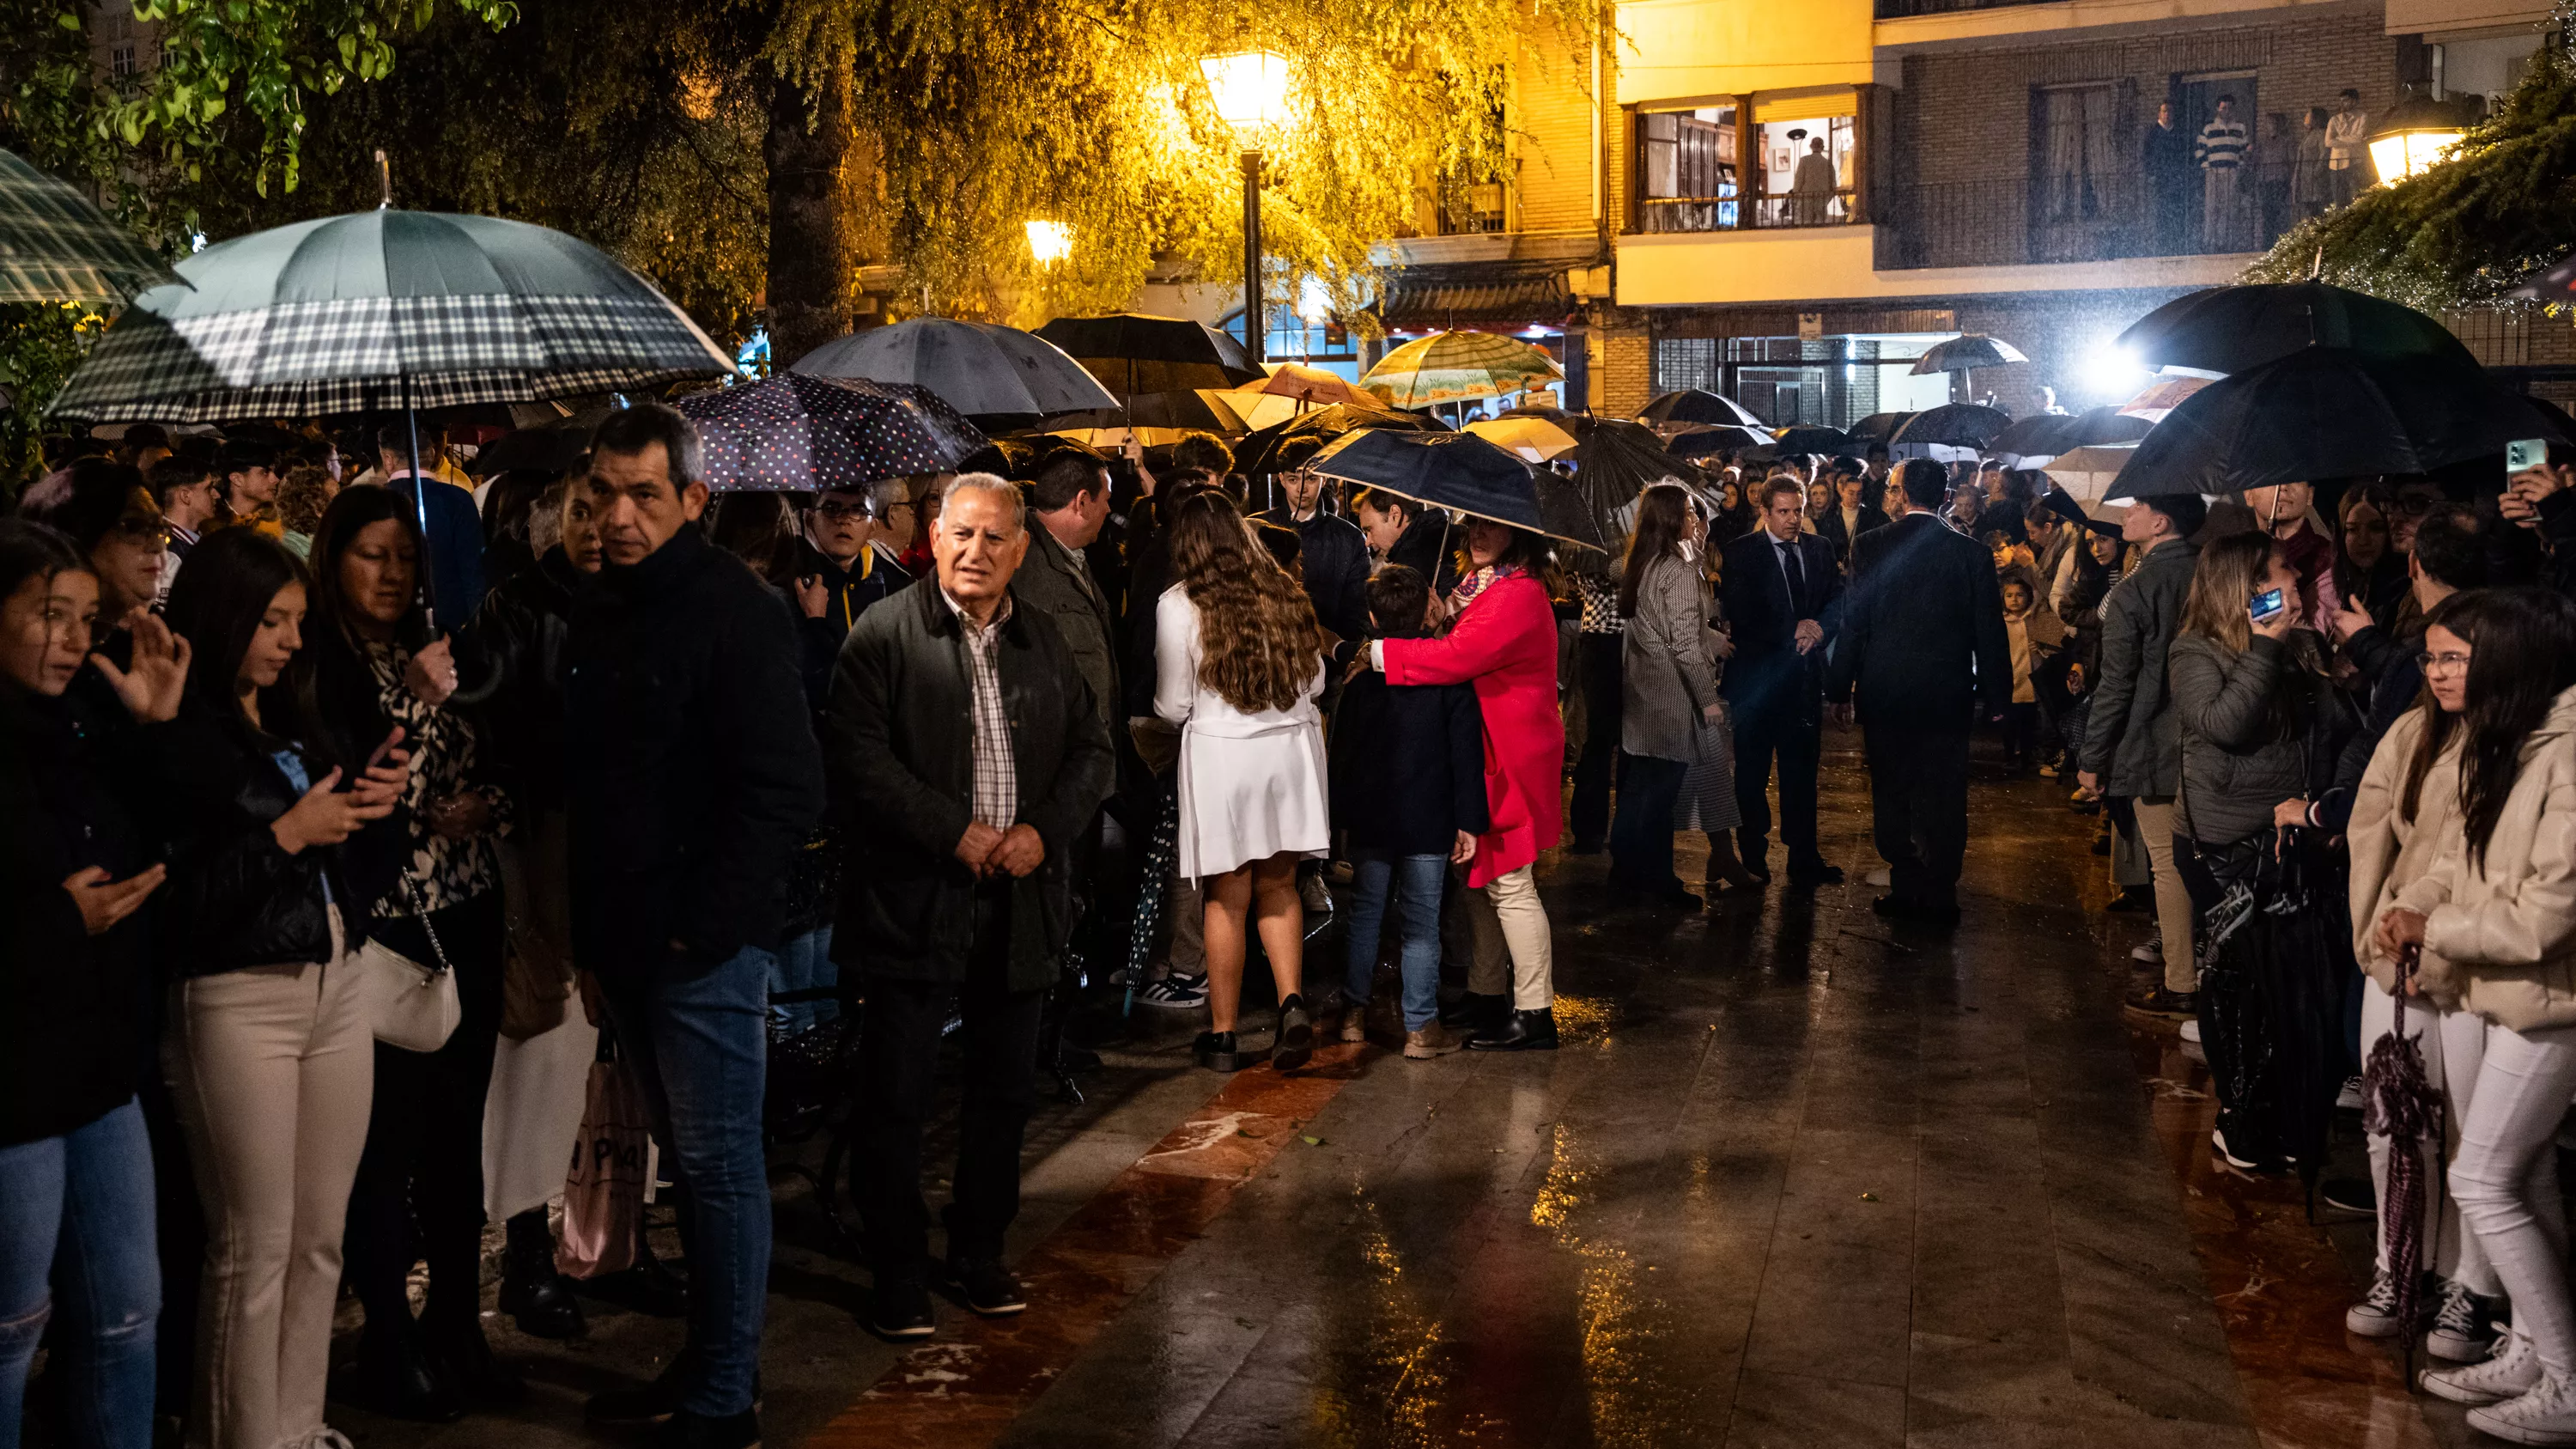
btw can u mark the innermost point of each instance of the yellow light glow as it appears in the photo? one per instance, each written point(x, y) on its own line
point(2411, 153)
point(1251, 88)
point(1050, 242)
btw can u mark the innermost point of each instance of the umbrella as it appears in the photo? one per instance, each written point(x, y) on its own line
point(1286, 446)
point(1568, 514)
point(977, 368)
point(1966, 353)
point(2086, 473)
point(1457, 471)
point(386, 309)
point(2037, 438)
point(557, 447)
point(2232, 329)
point(1155, 410)
point(2326, 412)
point(1699, 405)
point(1584, 426)
point(1611, 469)
point(55, 246)
point(800, 433)
point(1811, 440)
point(2162, 396)
point(2398, 1102)
point(1133, 352)
point(1698, 440)
point(1955, 425)
point(1877, 427)
point(1536, 439)
point(2310, 957)
point(1448, 366)
point(1312, 385)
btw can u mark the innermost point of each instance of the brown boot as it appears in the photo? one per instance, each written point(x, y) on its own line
point(1724, 868)
point(1434, 1040)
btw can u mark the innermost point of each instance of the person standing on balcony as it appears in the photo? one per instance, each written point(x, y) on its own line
point(2347, 163)
point(2165, 157)
point(1811, 186)
point(2221, 154)
point(2311, 183)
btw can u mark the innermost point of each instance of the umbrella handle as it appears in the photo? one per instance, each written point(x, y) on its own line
point(420, 507)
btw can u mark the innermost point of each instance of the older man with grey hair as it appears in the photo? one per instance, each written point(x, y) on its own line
point(966, 755)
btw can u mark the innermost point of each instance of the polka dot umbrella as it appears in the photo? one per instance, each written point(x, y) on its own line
point(799, 433)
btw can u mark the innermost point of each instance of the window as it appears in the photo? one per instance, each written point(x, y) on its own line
point(1686, 169)
point(2076, 152)
point(1805, 169)
point(120, 60)
point(1682, 362)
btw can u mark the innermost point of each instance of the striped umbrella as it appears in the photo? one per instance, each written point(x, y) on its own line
point(1450, 366)
point(57, 247)
point(386, 309)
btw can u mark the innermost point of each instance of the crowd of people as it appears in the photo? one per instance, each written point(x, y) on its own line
point(374, 819)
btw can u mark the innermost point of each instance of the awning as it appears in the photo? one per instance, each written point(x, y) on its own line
point(1456, 294)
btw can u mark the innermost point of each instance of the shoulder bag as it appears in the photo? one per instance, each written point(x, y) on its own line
point(409, 1005)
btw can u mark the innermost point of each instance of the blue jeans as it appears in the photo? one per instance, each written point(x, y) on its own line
point(1418, 880)
point(697, 1040)
point(803, 963)
point(76, 1218)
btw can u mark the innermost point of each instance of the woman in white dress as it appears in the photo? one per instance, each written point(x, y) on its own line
point(1238, 663)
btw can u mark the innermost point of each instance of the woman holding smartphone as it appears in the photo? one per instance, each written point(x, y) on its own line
point(2259, 720)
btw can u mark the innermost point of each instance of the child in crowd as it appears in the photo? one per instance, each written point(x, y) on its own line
point(1408, 782)
point(2034, 634)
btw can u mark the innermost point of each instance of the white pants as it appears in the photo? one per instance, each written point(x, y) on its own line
point(1512, 938)
point(2505, 1180)
point(2454, 1045)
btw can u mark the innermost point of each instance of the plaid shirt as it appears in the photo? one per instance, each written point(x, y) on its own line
point(997, 779)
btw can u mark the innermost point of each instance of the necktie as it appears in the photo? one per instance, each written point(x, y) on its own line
point(1797, 579)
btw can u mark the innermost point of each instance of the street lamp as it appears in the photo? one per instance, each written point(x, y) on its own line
point(1251, 90)
point(2417, 134)
point(1050, 242)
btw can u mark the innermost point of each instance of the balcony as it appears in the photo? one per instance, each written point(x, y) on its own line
point(2010, 222)
point(1662, 214)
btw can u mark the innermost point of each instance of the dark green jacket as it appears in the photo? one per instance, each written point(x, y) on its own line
point(899, 754)
point(1055, 583)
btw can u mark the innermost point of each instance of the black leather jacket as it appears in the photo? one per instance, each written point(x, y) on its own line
point(522, 626)
point(235, 898)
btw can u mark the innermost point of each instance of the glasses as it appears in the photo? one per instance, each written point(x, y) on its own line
point(144, 530)
point(2413, 505)
point(841, 511)
point(2429, 662)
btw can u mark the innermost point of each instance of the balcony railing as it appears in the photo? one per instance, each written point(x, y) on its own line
point(2013, 221)
point(1906, 9)
point(1733, 213)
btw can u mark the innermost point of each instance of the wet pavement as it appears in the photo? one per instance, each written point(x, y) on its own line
point(1795, 1179)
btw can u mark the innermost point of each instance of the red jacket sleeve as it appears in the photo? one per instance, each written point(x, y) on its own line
point(1486, 638)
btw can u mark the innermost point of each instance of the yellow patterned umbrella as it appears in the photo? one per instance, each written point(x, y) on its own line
point(1450, 366)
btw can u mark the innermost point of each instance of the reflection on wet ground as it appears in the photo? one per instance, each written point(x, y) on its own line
point(1797, 1178)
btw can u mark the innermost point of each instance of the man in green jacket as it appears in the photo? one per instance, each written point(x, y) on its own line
point(966, 755)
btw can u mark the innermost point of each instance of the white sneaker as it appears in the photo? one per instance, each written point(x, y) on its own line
point(2546, 1415)
point(2191, 1031)
point(1878, 878)
point(2462, 1333)
point(1176, 992)
point(2375, 1316)
point(2349, 1099)
point(2512, 1373)
point(2151, 953)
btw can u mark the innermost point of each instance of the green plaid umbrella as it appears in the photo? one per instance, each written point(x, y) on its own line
point(56, 247)
point(1448, 366)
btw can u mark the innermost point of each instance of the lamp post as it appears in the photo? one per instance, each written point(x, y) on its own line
point(2416, 135)
point(1251, 90)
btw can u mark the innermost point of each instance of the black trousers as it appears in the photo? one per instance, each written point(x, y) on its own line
point(1792, 730)
point(1593, 769)
point(1918, 796)
point(1641, 843)
point(423, 1162)
point(899, 1044)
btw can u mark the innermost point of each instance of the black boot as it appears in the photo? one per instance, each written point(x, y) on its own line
point(1475, 1011)
point(1522, 1031)
point(395, 1377)
point(1295, 1043)
point(536, 1297)
point(463, 1359)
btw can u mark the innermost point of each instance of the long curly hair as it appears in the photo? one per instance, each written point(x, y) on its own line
point(1259, 644)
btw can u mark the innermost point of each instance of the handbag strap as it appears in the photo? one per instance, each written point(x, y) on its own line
point(420, 913)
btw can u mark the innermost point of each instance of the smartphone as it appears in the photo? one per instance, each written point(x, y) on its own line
point(2524, 454)
point(2266, 606)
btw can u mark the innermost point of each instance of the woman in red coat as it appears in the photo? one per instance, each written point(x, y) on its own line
point(1502, 640)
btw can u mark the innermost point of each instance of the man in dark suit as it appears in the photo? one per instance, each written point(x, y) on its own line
point(1923, 642)
point(1783, 595)
point(1852, 514)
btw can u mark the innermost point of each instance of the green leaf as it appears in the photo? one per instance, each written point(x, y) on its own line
point(68, 20)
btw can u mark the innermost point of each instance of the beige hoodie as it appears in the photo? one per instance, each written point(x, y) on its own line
point(2390, 852)
point(2510, 929)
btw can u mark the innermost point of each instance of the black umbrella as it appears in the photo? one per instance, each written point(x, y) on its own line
point(1152, 410)
point(1877, 427)
point(2310, 959)
point(2326, 412)
point(1610, 469)
point(1457, 471)
point(978, 368)
point(1812, 440)
point(1966, 353)
point(798, 433)
point(2048, 435)
point(1133, 352)
point(2236, 329)
point(557, 447)
point(1699, 405)
point(1953, 425)
point(1286, 446)
point(1568, 514)
point(1701, 439)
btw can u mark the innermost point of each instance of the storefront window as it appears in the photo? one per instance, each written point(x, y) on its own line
point(1686, 170)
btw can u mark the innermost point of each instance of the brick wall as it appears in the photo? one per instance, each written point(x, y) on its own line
point(1622, 364)
point(1966, 116)
point(1551, 122)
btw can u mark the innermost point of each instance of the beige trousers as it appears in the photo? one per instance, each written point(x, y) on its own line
point(1514, 949)
point(272, 1071)
point(2173, 901)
